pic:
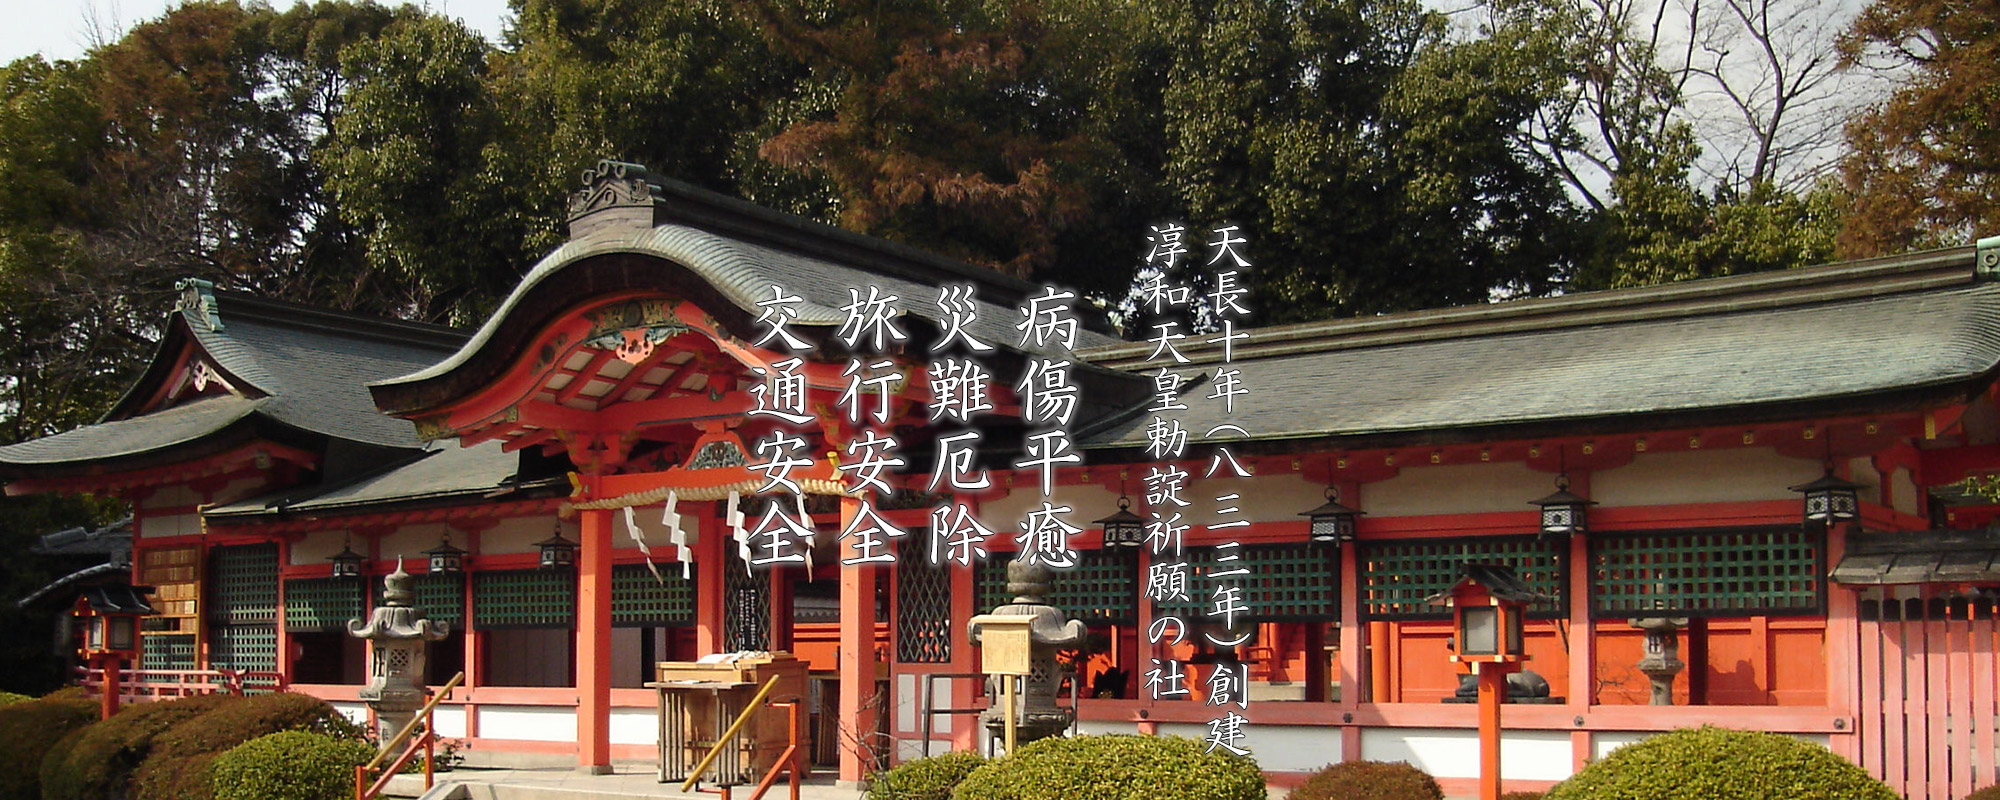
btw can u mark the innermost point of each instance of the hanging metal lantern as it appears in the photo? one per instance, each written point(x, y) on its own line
point(1123, 528)
point(1563, 513)
point(1830, 499)
point(347, 563)
point(446, 558)
point(1331, 522)
point(557, 552)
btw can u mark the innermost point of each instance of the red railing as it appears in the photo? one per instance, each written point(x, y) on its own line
point(159, 684)
point(365, 789)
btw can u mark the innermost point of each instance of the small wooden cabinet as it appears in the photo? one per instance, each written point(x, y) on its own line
point(699, 699)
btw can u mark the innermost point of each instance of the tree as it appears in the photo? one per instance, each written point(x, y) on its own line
point(1923, 162)
point(419, 162)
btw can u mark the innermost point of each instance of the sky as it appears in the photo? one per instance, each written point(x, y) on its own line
point(61, 29)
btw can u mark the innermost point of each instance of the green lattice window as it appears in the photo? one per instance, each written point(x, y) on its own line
point(321, 604)
point(524, 598)
point(243, 647)
point(637, 598)
point(1729, 572)
point(1397, 576)
point(1292, 581)
point(923, 604)
point(440, 595)
point(1098, 590)
point(168, 651)
point(243, 585)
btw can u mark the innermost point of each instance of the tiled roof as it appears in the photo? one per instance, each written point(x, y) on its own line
point(179, 425)
point(1732, 347)
point(444, 471)
point(303, 368)
point(1950, 556)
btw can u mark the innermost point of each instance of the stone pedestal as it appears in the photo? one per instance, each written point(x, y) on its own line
point(399, 633)
point(1036, 714)
point(1662, 660)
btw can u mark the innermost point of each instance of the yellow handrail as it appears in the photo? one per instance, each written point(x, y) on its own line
point(742, 719)
point(411, 726)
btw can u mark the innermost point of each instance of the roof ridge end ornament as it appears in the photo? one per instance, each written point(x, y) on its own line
point(197, 303)
point(614, 194)
point(1986, 261)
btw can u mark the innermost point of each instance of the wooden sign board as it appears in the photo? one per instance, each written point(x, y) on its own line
point(1005, 645)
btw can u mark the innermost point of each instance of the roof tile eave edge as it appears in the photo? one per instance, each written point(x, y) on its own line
point(1779, 288)
point(1770, 410)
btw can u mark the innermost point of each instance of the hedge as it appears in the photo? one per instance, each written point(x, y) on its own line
point(290, 765)
point(1114, 768)
point(1368, 780)
point(1711, 763)
point(177, 767)
point(96, 761)
point(28, 731)
point(925, 778)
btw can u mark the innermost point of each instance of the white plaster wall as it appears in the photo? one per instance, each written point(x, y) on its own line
point(410, 541)
point(1290, 748)
point(169, 525)
point(1862, 470)
point(450, 721)
point(1603, 742)
point(1086, 503)
point(316, 547)
point(358, 713)
point(1096, 728)
point(519, 534)
point(1452, 753)
point(240, 489)
point(1736, 474)
point(534, 723)
point(1904, 496)
point(170, 497)
point(633, 726)
point(906, 703)
point(1454, 489)
point(1265, 498)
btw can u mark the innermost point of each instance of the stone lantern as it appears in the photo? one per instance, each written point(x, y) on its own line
point(1662, 660)
point(1043, 630)
point(396, 673)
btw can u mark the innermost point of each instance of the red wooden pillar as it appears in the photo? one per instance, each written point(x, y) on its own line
point(709, 574)
point(857, 659)
point(1353, 648)
point(1492, 682)
point(1582, 642)
point(593, 643)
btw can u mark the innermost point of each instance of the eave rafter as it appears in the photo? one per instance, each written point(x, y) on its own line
point(634, 366)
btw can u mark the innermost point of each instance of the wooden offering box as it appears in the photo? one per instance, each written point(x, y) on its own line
point(699, 700)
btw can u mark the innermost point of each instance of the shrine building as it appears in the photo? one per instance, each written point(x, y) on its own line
point(269, 449)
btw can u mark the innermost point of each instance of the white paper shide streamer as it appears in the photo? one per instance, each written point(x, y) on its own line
point(632, 526)
point(737, 530)
point(678, 536)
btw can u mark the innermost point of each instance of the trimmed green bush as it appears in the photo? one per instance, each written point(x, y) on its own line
point(290, 765)
point(1988, 793)
point(177, 766)
point(27, 733)
point(1368, 780)
point(1114, 768)
point(96, 761)
point(925, 778)
point(1709, 763)
point(10, 698)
